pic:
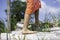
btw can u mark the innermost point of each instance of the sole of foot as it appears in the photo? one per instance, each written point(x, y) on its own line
point(28, 32)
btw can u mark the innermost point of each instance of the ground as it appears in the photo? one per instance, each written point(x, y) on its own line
point(54, 34)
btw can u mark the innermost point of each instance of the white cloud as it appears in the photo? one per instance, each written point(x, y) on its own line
point(58, 0)
point(54, 10)
point(46, 9)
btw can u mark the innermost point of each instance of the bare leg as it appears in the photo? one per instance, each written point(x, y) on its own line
point(26, 23)
point(37, 18)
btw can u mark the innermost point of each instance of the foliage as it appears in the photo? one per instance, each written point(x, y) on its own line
point(16, 8)
point(59, 23)
point(2, 26)
point(17, 12)
point(43, 27)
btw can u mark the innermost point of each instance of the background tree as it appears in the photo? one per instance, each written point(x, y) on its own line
point(2, 26)
point(17, 12)
point(59, 23)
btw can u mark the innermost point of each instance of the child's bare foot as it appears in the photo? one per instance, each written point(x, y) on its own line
point(28, 31)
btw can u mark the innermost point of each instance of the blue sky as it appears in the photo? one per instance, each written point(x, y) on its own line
point(52, 6)
point(3, 5)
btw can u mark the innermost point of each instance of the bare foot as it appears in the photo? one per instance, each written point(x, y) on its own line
point(28, 32)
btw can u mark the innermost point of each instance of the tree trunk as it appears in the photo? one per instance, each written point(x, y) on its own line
point(8, 15)
point(0, 36)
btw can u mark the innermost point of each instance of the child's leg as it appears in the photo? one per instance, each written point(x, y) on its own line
point(25, 26)
point(37, 18)
point(26, 21)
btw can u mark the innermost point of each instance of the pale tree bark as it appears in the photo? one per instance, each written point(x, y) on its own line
point(8, 18)
point(8, 15)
